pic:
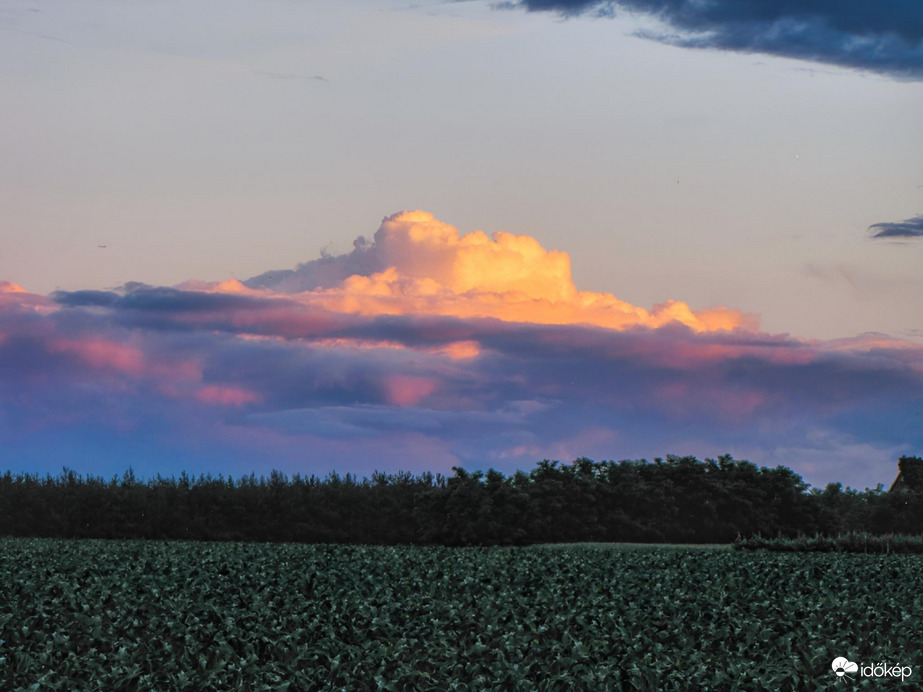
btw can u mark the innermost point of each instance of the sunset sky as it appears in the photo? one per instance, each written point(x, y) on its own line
point(245, 235)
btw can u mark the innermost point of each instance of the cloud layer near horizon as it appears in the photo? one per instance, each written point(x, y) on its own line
point(425, 348)
point(884, 37)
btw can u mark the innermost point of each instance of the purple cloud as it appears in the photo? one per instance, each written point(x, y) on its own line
point(226, 379)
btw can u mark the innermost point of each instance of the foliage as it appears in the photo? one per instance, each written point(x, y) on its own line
point(677, 500)
point(138, 615)
point(849, 543)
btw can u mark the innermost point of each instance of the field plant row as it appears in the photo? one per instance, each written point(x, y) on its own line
point(121, 615)
point(850, 542)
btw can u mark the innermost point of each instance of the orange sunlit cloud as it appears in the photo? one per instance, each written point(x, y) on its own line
point(9, 287)
point(433, 270)
point(456, 350)
point(428, 268)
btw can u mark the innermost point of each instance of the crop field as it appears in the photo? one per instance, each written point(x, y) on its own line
point(122, 615)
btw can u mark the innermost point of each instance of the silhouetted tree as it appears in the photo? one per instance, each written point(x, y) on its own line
point(676, 499)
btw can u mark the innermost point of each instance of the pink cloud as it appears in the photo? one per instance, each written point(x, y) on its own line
point(407, 390)
point(683, 398)
point(392, 450)
point(226, 396)
point(590, 441)
point(13, 296)
point(101, 354)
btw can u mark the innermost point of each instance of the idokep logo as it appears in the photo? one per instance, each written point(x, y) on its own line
point(844, 668)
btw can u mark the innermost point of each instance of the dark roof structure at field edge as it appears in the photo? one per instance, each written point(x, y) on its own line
point(909, 475)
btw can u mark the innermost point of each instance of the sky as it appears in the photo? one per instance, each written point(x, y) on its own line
point(363, 235)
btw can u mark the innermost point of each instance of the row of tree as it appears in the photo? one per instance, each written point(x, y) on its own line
point(677, 500)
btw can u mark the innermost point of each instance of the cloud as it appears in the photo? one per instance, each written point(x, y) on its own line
point(422, 349)
point(8, 287)
point(567, 8)
point(226, 396)
point(910, 228)
point(418, 265)
point(884, 36)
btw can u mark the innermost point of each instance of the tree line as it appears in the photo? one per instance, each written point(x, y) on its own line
point(675, 500)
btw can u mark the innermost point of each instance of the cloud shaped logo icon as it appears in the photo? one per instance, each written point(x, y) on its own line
point(842, 667)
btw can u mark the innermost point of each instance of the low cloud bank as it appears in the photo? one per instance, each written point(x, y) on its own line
point(423, 349)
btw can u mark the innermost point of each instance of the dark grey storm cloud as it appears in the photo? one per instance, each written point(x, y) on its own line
point(884, 36)
point(911, 228)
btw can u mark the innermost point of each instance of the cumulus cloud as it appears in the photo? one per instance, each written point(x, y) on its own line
point(448, 349)
point(911, 228)
point(418, 265)
point(884, 36)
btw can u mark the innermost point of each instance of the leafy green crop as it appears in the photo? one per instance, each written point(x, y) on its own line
point(848, 542)
point(113, 615)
